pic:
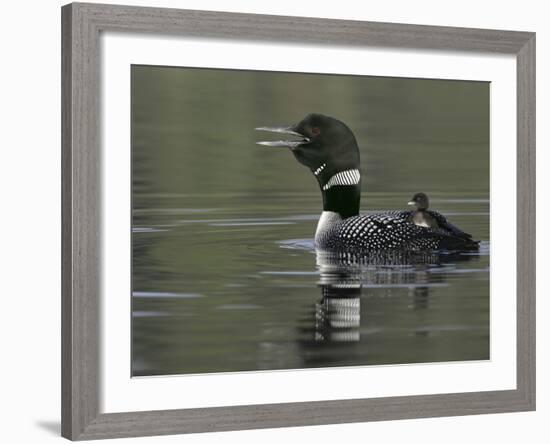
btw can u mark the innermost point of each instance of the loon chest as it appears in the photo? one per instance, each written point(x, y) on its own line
point(328, 222)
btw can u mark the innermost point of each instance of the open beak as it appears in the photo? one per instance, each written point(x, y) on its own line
point(412, 202)
point(294, 143)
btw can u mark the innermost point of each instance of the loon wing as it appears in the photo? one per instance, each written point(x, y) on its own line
point(447, 240)
point(444, 224)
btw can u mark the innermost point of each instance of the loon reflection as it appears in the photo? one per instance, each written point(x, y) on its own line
point(347, 280)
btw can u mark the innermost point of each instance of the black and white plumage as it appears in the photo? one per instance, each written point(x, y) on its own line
point(392, 230)
point(348, 177)
point(329, 149)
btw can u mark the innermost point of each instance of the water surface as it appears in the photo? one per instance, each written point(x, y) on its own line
point(238, 288)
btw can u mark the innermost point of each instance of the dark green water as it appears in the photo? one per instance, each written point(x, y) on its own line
point(224, 274)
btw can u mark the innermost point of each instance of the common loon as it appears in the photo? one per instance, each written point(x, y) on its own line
point(328, 148)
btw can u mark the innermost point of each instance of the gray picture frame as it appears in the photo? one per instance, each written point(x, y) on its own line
point(81, 175)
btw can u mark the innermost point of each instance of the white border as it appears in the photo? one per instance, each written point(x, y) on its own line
point(122, 393)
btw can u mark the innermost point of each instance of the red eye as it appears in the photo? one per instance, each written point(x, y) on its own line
point(315, 131)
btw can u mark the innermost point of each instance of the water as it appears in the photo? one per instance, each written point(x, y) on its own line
point(236, 288)
point(225, 276)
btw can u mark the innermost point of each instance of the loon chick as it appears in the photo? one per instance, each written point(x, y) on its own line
point(432, 219)
point(328, 148)
point(421, 216)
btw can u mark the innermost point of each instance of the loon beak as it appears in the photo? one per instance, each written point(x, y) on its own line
point(283, 143)
point(412, 202)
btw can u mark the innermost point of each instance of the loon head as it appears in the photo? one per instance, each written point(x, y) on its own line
point(328, 148)
point(323, 144)
point(420, 201)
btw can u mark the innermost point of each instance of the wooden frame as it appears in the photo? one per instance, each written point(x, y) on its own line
point(81, 26)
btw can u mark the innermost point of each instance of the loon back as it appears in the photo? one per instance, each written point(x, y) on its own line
point(328, 148)
point(392, 230)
